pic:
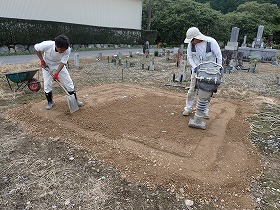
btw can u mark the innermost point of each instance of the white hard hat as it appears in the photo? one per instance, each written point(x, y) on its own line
point(194, 32)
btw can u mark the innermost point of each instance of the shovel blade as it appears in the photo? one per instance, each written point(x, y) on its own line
point(72, 103)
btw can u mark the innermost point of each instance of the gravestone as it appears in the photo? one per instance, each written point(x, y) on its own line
point(163, 52)
point(233, 44)
point(76, 46)
point(257, 51)
point(258, 42)
point(183, 66)
point(278, 81)
point(167, 55)
point(175, 51)
point(244, 42)
point(19, 48)
point(31, 48)
point(99, 57)
point(152, 64)
point(120, 55)
point(76, 61)
point(232, 59)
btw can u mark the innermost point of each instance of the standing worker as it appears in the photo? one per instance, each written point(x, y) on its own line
point(55, 55)
point(200, 49)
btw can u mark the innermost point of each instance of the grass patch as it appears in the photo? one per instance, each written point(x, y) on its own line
point(265, 129)
point(265, 134)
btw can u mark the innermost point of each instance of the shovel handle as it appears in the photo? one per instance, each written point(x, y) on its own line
point(62, 87)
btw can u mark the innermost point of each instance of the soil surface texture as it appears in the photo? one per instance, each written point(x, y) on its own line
point(129, 146)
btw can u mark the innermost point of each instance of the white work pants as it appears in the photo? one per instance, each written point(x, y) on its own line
point(63, 76)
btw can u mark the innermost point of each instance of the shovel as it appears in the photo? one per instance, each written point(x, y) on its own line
point(71, 100)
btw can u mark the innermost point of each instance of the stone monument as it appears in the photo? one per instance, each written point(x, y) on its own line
point(231, 57)
point(152, 64)
point(76, 61)
point(244, 42)
point(258, 42)
point(183, 67)
point(233, 43)
point(257, 50)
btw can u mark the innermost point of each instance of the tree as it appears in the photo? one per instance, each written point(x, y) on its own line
point(260, 10)
point(276, 33)
point(226, 6)
point(149, 15)
point(172, 19)
point(250, 15)
point(247, 23)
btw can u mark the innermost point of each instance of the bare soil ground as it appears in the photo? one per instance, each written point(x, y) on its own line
point(130, 147)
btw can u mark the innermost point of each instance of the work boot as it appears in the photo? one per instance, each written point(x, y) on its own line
point(187, 112)
point(79, 103)
point(50, 101)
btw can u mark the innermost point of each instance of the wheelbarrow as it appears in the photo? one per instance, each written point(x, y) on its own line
point(23, 79)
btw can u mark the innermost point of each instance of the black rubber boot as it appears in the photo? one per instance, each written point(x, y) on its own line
point(80, 104)
point(49, 99)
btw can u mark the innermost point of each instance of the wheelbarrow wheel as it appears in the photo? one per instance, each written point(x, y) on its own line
point(34, 85)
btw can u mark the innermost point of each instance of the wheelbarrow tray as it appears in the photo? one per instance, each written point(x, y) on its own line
point(22, 78)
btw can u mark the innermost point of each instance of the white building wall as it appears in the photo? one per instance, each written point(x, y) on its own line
point(105, 13)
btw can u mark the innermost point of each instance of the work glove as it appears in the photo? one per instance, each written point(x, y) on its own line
point(55, 76)
point(43, 64)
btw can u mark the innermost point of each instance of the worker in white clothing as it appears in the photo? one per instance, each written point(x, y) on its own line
point(55, 55)
point(200, 49)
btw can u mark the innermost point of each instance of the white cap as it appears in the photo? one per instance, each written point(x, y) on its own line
point(194, 32)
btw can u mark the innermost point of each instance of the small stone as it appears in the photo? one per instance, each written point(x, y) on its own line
point(189, 202)
point(67, 202)
point(181, 190)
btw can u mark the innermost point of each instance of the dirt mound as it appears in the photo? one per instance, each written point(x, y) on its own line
point(142, 132)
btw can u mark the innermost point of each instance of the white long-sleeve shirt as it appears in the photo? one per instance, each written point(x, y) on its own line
point(51, 57)
point(201, 51)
